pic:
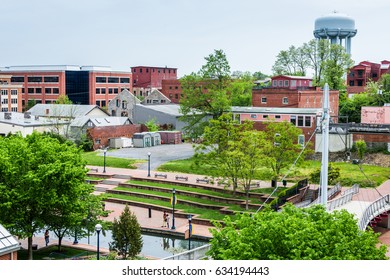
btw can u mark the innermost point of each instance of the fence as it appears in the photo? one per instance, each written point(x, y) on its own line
point(344, 199)
point(377, 207)
point(194, 254)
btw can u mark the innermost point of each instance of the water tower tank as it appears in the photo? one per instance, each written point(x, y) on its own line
point(336, 27)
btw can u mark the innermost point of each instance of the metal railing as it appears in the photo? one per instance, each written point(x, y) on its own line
point(331, 192)
point(344, 199)
point(194, 254)
point(376, 208)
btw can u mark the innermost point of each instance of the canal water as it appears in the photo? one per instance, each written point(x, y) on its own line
point(154, 246)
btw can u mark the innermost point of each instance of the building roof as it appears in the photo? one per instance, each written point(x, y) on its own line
point(22, 119)
point(8, 243)
point(156, 67)
point(59, 68)
point(293, 77)
point(279, 110)
point(99, 121)
point(62, 110)
point(170, 109)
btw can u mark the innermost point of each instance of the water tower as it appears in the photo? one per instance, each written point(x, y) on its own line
point(336, 27)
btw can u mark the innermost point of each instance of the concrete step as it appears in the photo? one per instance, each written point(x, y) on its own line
point(110, 182)
point(121, 176)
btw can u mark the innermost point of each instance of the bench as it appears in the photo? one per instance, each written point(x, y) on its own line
point(184, 178)
point(94, 169)
point(160, 175)
point(204, 180)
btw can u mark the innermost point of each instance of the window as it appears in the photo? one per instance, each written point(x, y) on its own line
point(34, 79)
point(280, 84)
point(285, 100)
point(17, 79)
point(14, 101)
point(14, 109)
point(115, 90)
point(134, 81)
point(124, 104)
point(103, 103)
point(286, 83)
point(301, 140)
point(53, 79)
point(30, 90)
point(98, 102)
point(277, 117)
point(300, 121)
point(176, 96)
point(147, 70)
point(56, 90)
point(103, 91)
point(4, 92)
point(360, 83)
point(125, 80)
point(113, 80)
point(140, 70)
point(14, 92)
point(101, 79)
point(47, 90)
point(253, 116)
point(4, 101)
point(110, 90)
point(38, 90)
point(170, 96)
point(351, 83)
point(264, 100)
point(265, 116)
point(176, 87)
point(274, 83)
point(4, 109)
point(293, 120)
point(118, 103)
point(135, 70)
point(98, 91)
point(307, 121)
point(170, 87)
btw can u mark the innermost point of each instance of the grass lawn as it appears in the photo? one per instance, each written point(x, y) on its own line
point(203, 213)
point(51, 252)
point(93, 158)
point(349, 173)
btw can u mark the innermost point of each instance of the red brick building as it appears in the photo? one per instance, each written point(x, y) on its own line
point(87, 85)
point(151, 77)
point(359, 75)
point(293, 92)
point(172, 90)
point(10, 94)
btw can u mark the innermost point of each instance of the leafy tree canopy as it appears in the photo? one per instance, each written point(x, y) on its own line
point(295, 234)
point(126, 235)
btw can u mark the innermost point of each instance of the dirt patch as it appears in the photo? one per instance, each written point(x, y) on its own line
point(378, 159)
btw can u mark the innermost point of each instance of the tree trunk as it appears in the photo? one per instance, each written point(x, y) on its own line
point(60, 244)
point(29, 249)
point(247, 199)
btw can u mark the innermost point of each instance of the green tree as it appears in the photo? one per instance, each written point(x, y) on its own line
point(220, 149)
point(63, 99)
point(294, 61)
point(361, 148)
point(241, 90)
point(42, 185)
point(126, 235)
point(335, 67)
point(152, 125)
point(317, 53)
point(333, 175)
point(281, 148)
point(295, 234)
point(205, 94)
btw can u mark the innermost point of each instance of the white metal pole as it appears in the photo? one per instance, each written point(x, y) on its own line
point(325, 147)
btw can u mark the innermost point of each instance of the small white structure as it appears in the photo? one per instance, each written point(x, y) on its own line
point(146, 139)
point(121, 142)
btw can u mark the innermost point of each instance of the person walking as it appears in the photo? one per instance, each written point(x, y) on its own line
point(47, 237)
point(164, 219)
point(167, 219)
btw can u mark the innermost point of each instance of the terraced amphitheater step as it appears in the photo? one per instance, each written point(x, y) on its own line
point(121, 176)
point(111, 182)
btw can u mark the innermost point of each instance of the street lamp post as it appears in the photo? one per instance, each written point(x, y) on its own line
point(173, 208)
point(98, 228)
point(149, 164)
point(104, 165)
point(189, 231)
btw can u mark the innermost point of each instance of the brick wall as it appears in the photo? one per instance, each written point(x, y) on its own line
point(371, 137)
point(101, 135)
point(9, 256)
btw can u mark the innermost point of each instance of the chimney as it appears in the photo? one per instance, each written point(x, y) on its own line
point(47, 111)
point(27, 115)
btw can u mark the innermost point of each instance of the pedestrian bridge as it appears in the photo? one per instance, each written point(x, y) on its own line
point(368, 213)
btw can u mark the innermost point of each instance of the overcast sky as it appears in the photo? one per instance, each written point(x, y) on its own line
point(177, 33)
